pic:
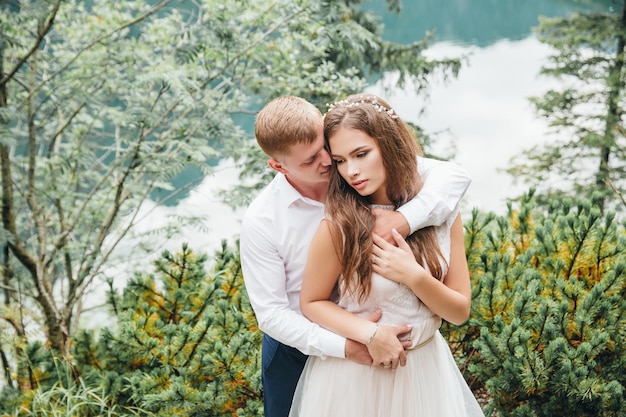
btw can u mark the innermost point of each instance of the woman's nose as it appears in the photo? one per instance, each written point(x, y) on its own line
point(353, 169)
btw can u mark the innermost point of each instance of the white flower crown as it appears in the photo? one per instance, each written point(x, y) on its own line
point(364, 100)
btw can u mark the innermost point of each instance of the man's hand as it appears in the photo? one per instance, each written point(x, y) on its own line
point(386, 220)
point(358, 352)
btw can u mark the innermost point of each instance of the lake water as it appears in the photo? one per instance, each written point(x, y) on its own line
point(484, 113)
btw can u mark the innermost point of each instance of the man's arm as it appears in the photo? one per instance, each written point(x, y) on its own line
point(265, 280)
point(445, 183)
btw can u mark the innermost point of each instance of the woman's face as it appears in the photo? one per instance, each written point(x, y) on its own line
point(360, 163)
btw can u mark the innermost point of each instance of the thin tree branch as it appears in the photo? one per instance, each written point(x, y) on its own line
point(41, 33)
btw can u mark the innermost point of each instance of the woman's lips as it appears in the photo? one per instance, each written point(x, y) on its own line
point(357, 185)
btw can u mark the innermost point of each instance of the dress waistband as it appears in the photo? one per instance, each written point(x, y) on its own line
point(424, 331)
point(424, 343)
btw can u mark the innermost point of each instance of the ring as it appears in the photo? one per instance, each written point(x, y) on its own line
point(386, 365)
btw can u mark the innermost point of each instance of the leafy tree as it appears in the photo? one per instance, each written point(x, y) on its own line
point(103, 103)
point(338, 37)
point(588, 155)
point(549, 310)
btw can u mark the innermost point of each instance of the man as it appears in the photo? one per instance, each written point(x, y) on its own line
point(277, 229)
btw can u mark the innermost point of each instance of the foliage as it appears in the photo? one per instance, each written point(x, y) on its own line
point(337, 38)
point(104, 105)
point(187, 342)
point(546, 335)
point(587, 154)
point(548, 310)
point(61, 393)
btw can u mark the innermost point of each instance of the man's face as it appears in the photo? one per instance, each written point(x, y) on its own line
point(307, 163)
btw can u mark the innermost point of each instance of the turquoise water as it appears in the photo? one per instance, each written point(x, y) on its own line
point(483, 117)
point(474, 22)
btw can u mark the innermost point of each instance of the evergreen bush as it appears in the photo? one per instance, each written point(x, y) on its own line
point(548, 311)
point(545, 337)
point(186, 344)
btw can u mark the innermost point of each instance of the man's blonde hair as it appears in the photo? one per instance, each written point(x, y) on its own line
point(284, 122)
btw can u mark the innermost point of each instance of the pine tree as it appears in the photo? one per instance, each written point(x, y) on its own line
point(586, 112)
point(187, 343)
point(550, 303)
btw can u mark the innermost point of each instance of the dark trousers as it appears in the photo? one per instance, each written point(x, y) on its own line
point(282, 366)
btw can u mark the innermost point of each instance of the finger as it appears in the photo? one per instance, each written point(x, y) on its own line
point(380, 242)
point(400, 240)
point(403, 359)
point(403, 329)
point(404, 336)
point(375, 315)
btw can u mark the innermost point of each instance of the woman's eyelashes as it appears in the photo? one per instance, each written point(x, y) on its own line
point(358, 155)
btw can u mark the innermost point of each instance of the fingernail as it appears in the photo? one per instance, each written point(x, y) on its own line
point(395, 231)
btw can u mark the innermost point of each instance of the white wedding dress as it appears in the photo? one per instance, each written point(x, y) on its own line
point(430, 385)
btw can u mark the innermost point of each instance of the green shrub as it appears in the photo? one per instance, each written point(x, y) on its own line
point(548, 310)
point(187, 342)
point(63, 394)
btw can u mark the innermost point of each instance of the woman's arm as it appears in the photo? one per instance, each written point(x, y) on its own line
point(321, 273)
point(451, 298)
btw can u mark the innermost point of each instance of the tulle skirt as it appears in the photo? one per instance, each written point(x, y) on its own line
point(430, 385)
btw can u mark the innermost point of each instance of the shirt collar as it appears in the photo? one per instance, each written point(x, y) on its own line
point(290, 195)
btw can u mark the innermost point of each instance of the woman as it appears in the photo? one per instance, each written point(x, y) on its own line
point(422, 281)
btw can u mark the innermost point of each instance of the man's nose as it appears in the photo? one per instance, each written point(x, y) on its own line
point(326, 159)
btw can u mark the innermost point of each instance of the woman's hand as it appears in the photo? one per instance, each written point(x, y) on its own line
point(386, 349)
point(396, 263)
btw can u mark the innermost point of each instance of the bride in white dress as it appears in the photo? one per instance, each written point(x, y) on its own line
point(374, 154)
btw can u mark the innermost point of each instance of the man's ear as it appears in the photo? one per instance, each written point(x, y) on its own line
point(277, 166)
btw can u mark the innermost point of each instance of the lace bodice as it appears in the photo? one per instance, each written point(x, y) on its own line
point(398, 303)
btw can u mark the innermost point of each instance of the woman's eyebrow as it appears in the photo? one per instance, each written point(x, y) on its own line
point(355, 150)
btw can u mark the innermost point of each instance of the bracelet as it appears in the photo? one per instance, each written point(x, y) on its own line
point(372, 336)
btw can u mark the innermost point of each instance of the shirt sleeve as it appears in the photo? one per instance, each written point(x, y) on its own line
point(265, 280)
point(445, 183)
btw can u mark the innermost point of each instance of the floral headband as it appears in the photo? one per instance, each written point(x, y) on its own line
point(364, 100)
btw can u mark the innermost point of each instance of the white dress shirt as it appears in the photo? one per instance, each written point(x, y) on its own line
point(277, 229)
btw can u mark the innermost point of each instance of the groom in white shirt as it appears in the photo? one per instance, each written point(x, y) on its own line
point(277, 229)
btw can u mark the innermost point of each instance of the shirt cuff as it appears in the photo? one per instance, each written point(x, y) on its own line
point(334, 346)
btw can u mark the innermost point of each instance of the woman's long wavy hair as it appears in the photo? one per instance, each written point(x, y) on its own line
point(351, 217)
